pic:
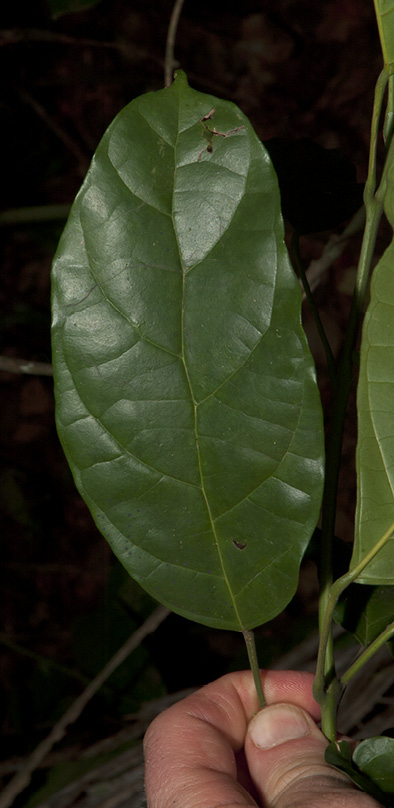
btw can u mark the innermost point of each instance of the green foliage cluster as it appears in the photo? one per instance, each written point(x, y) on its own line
point(187, 402)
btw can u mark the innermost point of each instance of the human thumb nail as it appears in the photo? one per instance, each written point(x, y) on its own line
point(279, 723)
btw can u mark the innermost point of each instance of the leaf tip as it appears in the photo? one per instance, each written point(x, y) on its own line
point(180, 78)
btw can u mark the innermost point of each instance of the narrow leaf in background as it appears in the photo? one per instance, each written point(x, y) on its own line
point(375, 404)
point(187, 403)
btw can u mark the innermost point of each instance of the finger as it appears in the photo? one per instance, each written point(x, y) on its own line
point(285, 754)
point(190, 748)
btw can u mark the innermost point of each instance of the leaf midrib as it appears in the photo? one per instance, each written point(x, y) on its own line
point(194, 404)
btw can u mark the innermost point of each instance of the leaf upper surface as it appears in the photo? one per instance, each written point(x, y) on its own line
point(186, 396)
point(365, 767)
point(375, 757)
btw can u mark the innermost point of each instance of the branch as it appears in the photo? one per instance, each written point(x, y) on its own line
point(13, 365)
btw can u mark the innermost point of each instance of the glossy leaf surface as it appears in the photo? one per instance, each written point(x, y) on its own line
point(375, 758)
point(339, 754)
point(186, 396)
point(375, 403)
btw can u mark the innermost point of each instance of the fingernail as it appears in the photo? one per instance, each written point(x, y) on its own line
point(277, 724)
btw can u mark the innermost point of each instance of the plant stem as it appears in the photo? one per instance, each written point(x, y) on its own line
point(385, 636)
point(319, 687)
point(326, 673)
point(169, 61)
point(325, 691)
point(331, 365)
point(254, 665)
point(373, 201)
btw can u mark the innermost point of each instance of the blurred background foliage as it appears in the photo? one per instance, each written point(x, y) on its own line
point(299, 70)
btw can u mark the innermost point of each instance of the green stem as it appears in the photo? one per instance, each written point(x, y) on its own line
point(385, 636)
point(319, 686)
point(325, 687)
point(169, 61)
point(331, 364)
point(380, 90)
point(254, 665)
point(342, 387)
point(373, 201)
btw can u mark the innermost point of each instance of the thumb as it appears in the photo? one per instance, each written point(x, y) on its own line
point(285, 755)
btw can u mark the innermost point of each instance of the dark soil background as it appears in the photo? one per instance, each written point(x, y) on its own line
point(298, 69)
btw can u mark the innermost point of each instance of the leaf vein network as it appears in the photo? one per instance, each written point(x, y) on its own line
point(125, 451)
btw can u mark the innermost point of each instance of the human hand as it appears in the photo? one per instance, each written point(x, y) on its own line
point(214, 750)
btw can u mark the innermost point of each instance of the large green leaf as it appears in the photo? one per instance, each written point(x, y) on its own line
point(186, 396)
point(375, 403)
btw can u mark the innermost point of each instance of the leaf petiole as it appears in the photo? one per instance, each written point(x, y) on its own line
point(383, 637)
point(253, 662)
point(320, 687)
